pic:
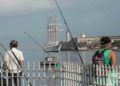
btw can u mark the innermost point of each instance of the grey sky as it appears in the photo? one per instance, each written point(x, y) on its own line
point(93, 17)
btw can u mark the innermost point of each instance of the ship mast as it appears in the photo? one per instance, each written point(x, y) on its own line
point(52, 30)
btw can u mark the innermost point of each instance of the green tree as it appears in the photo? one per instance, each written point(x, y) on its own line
point(116, 43)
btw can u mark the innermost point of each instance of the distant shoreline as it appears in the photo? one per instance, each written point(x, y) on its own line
point(86, 50)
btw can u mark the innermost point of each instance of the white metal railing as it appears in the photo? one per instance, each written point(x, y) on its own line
point(75, 74)
point(66, 74)
point(33, 74)
point(101, 75)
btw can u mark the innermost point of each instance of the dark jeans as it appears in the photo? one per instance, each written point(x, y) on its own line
point(15, 79)
point(2, 81)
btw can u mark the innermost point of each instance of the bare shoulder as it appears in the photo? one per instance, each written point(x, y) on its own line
point(113, 58)
point(112, 54)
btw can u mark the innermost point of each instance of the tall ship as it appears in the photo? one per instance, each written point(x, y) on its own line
point(53, 45)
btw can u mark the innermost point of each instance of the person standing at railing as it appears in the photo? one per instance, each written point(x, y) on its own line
point(108, 58)
point(14, 59)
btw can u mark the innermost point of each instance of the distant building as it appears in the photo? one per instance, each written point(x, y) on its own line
point(89, 40)
point(68, 37)
point(92, 41)
point(84, 42)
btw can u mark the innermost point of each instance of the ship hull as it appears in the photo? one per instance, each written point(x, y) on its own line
point(55, 48)
point(51, 49)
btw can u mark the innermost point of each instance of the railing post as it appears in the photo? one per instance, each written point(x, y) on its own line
point(33, 74)
point(28, 73)
point(22, 80)
point(83, 75)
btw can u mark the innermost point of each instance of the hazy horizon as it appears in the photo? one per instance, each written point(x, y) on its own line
point(93, 17)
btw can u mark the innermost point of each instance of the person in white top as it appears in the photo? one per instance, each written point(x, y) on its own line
point(13, 60)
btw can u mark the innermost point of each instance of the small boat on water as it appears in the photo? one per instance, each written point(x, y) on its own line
point(50, 60)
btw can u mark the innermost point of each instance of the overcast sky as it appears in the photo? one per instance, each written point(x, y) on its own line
point(93, 17)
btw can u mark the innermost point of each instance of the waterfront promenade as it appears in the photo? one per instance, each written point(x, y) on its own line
point(66, 74)
point(69, 72)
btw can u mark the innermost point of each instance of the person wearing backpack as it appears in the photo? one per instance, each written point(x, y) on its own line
point(106, 57)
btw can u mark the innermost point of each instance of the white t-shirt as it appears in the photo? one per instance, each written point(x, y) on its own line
point(11, 60)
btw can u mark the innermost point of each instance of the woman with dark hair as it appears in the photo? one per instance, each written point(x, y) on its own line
point(106, 57)
point(109, 55)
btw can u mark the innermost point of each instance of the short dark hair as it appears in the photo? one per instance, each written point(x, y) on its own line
point(13, 43)
point(105, 40)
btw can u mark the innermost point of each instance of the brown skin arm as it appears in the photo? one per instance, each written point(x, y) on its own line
point(21, 62)
point(113, 58)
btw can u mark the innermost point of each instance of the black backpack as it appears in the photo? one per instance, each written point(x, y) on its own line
point(98, 58)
